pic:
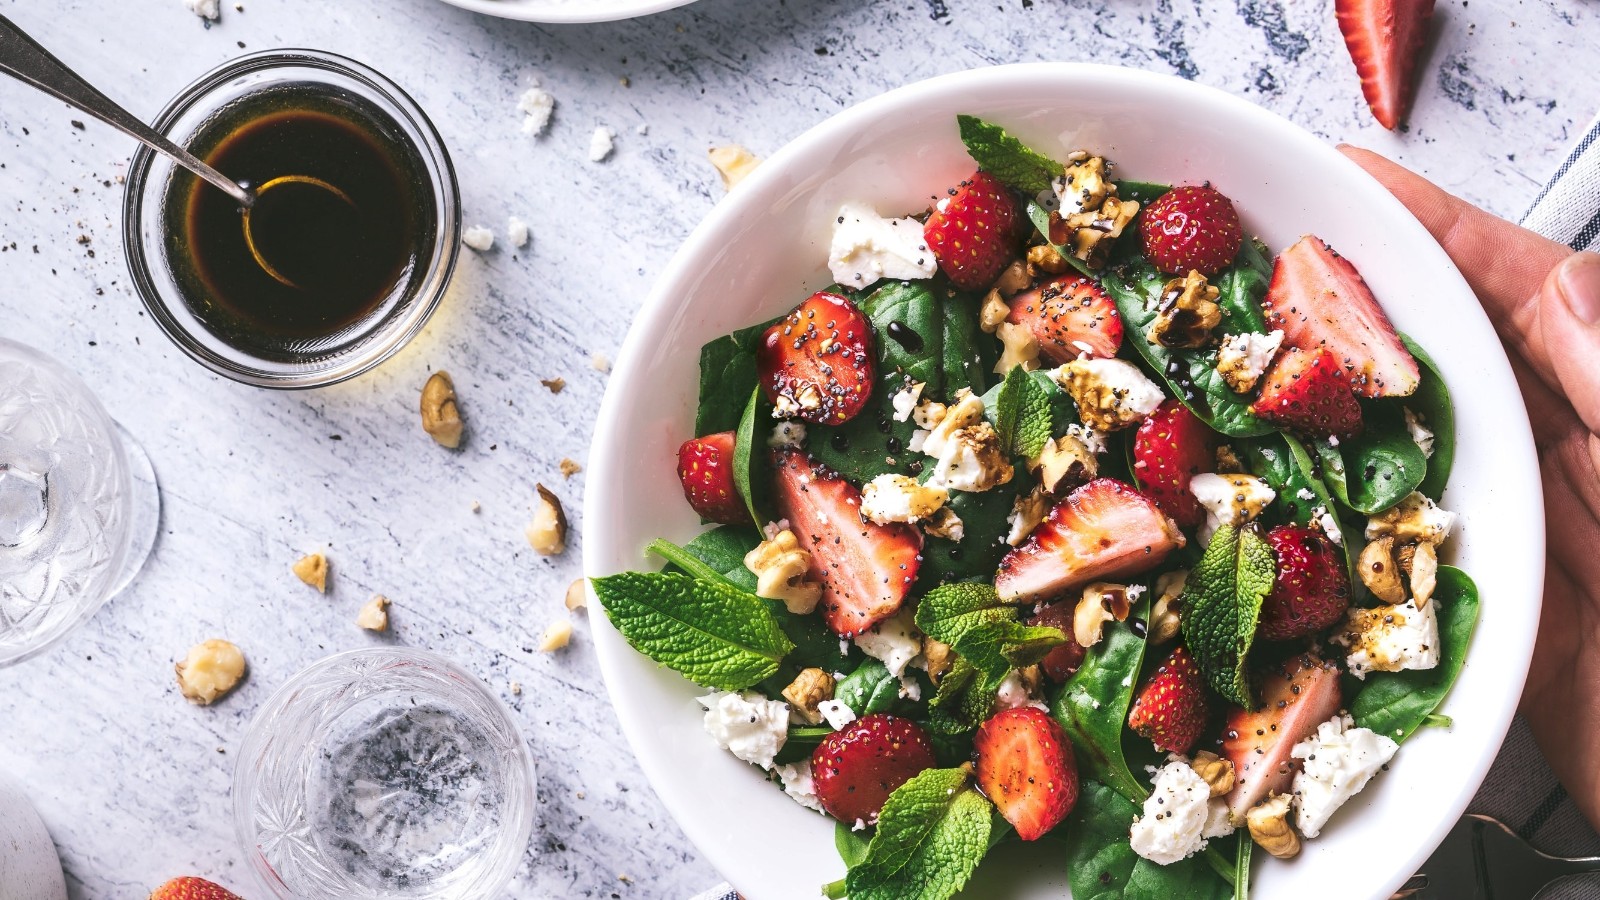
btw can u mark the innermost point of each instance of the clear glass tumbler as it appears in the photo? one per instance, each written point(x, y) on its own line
point(384, 773)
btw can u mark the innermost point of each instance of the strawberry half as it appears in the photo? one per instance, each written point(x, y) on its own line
point(865, 569)
point(1191, 227)
point(1296, 696)
point(1026, 769)
point(1385, 38)
point(1319, 300)
point(1307, 392)
point(816, 363)
point(1312, 590)
point(1171, 709)
point(1172, 446)
point(973, 232)
point(191, 888)
point(1069, 316)
point(855, 769)
point(1064, 659)
point(1104, 529)
point(705, 467)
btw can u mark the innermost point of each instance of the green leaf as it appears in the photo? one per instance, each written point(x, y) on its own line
point(931, 835)
point(1007, 158)
point(687, 562)
point(871, 688)
point(967, 355)
point(1371, 472)
point(1435, 720)
point(745, 460)
point(1283, 463)
point(1093, 705)
point(802, 740)
point(727, 375)
point(1432, 402)
point(1222, 601)
point(851, 844)
point(1145, 192)
point(723, 549)
point(963, 701)
point(1241, 869)
point(1397, 703)
point(984, 631)
point(710, 632)
point(1040, 217)
point(1022, 414)
point(978, 554)
point(1101, 864)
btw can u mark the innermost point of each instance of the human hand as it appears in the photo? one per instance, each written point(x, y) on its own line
point(1544, 300)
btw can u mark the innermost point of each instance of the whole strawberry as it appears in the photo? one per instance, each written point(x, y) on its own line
point(191, 888)
point(705, 466)
point(1172, 446)
point(973, 231)
point(856, 768)
point(1191, 227)
point(1312, 590)
point(1310, 394)
point(817, 363)
point(1171, 709)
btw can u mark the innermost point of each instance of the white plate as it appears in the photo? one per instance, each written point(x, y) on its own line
point(763, 250)
point(561, 12)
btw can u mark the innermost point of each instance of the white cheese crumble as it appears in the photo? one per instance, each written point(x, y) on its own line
point(867, 247)
point(836, 713)
point(1390, 638)
point(1178, 815)
point(536, 105)
point(1013, 692)
point(749, 726)
point(1091, 438)
point(1414, 518)
point(517, 232)
point(1229, 500)
point(971, 461)
point(205, 9)
point(910, 688)
point(1339, 761)
point(1243, 358)
point(1329, 523)
point(1421, 434)
point(478, 238)
point(899, 498)
point(893, 641)
point(797, 783)
point(906, 399)
point(787, 434)
point(1119, 393)
point(601, 143)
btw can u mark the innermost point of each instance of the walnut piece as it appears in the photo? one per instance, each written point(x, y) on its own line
point(936, 658)
point(547, 534)
point(781, 567)
point(810, 688)
point(1101, 602)
point(1094, 231)
point(734, 163)
point(1044, 258)
point(1187, 313)
point(1380, 572)
point(375, 615)
point(211, 669)
point(994, 312)
point(1270, 829)
point(1214, 771)
point(556, 636)
point(313, 570)
point(1064, 464)
point(1013, 280)
point(1164, 613)
point(1228, 462)
point(1424, 572)
point(569, 468)
point(1027, 511)
point(1084, 184)
point(945, 524)
point(556, 385)
point(577, 595)
point(441, 418)
point(1020, 348)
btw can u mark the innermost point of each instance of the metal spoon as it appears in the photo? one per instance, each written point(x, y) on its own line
point(23, 58)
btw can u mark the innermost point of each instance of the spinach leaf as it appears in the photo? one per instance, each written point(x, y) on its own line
point(967, 355)
point(749, 471)
point(869, 689)
point(1397, 703)
point(1371, 472)
point(852, 845)
point(914, 307)
point(802, 740)
point(987, 633)
point(1241, 869)
point(723, 549)
point(1093, 705)
point(727, 376)
point(1101, 864)
point(978, 553)
point(1142, 191)
point(1006, 158)
point(1040, 217)
point(1432, 402)
point(931, 835)
point(1283, 463)
point(1222, 603)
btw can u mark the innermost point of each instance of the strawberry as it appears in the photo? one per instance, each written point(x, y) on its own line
point(1312, 589)
point(1026, 768)
point(1191, 227)
point(1307, 392)
point(1172, 446)
point(1069, 316)
point(1171, 709)
point(191, 888)
point(1296, 696)
point(1063, 660)
point(705, 466)
point(1104, 529)
point(855, 769)
point(865, 569)
point(1385, 38)
point(973, 231)
point(1318, 299)
point(816, 363)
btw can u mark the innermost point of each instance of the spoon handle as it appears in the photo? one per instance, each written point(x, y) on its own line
point(23, 58)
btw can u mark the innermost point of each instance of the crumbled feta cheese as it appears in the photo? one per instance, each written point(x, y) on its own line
point(536, 104)
point(748, 725)
point(478, 238)
point(945, 524)
point(1390, 638)
point(1177, 815)
point(1414, 518)
point(919, 441)
point(836, 713)
point(601, 143)
point(867, 247)
point(1306, 494)
point(1243, 358)
point(1013, 692)
point(929, 414)
point(965, 413)
point(517, 232)
point(894, 641)
point(1339, 761)
point(905, 400)
point(1091, 438)
point(899, 498)
point(971, 460)
point(1110, 393)
point(787, 434)
point(910, 688)
point(205, 9)
point(1229, 500)
point(1421, 434)
point(797, 783)
point(1329, 523)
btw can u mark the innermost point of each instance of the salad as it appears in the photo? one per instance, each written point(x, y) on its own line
point(1067, 513)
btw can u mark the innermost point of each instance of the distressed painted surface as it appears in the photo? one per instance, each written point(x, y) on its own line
point(133, 781)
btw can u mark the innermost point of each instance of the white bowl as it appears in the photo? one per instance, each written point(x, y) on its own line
point(560, 12)
point(763, 249)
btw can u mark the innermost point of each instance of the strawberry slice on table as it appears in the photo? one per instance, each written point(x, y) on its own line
point(1319, 300)
point(191, 888)
point(1104, 529)
point(1069, 316)
point(1307, 391)
point(1063, 659)
point(1312, 590)
point(1026, 769)
point(1296, 696)
point(973, 232)
point(705, 467)
point(1171, 709)
point(1191, 227)
point(1172, 446)
point(816, 363)
point(855, 769)
point(865, 569)
point(1385, 39)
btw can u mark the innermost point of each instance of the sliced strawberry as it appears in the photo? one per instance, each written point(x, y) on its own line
point(705, 467)
point(1306, 391)
point(865, 569)
point(1318, 299)
point(1296, 696)
point(1026, 768)
point(1385, 39)
point(973, 232)
point(1063, 660)
point(1171, 709)
point(855, 769)
point(1191, 227)
point(1172, 446)
point(191, 888)
point(1312, 590)
point(1069, 316)
point(1104, 529)
point(816, 363)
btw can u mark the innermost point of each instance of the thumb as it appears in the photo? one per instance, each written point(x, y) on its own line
point(1569, 314)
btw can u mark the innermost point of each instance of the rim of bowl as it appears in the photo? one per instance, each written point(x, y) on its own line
point(577, 14)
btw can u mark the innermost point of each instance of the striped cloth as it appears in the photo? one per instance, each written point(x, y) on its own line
point(1521, 791)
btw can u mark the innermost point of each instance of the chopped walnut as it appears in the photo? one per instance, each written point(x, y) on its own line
point(1101, 602)
point(441, 417)
point(994, 312)
point(1164, 613)
point(556, 385)
point(1092, 232)
point(1214, 771)
point(1228, 462)
point(936, 658)
point(1013, 280)
point(781, 567)
point(945, 524)
point(1270, 829)
point(1380, 572)
point(556, 636)
point(1044, 258)
point(1424, 572)
point(1064, 464)
point(1020, 348)
point(211, 669)
point(1084, 184)
point(547, 534)
point(810, 688)
point(375, 615)
point(569, 468)
point(1027, 511)
point(734, 163)
point(577, 595)
point(313, 570)
point(1187, 313)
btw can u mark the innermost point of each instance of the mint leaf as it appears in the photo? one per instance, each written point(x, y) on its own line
point(984, 631)
point(709, 631)
point(963, 700)
point(1222, 601)
point(1007, 158)
point(1093, 705)
point(1022, 414)
point(744, 459)
point(931, 835)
